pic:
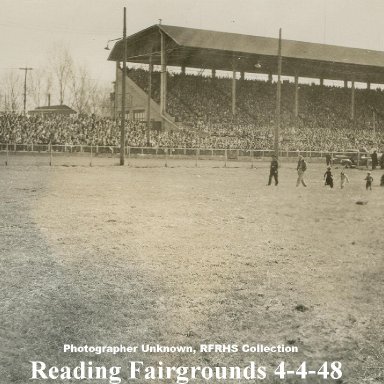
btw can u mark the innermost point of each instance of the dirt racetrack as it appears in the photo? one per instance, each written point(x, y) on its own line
point(185, 255)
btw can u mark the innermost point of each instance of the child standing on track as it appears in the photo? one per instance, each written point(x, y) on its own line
point(369, 180)
point(343, 179)
point(328, 177)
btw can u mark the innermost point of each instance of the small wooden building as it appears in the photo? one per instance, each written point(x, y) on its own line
point(52, 110)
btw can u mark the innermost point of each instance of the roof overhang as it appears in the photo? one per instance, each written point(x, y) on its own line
point(198, 48)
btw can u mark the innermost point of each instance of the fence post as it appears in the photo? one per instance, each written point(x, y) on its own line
point(197, 156)
point(6, 158)
point(358, 158)
point(251, 152)
point(226, 154)
point(50, 153)
point(90, 162)
point(166, 153)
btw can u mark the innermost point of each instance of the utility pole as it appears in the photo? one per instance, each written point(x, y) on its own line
point(278, 99)
point(150, 67)
point(25, 69)
point(122, 131)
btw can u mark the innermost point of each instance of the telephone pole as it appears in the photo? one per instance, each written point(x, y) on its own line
point(124, 73)
point(25, 69)
point(278, 99)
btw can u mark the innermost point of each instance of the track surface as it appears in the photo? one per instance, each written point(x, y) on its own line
point(185, 256)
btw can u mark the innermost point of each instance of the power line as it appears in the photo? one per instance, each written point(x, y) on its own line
point(54, 28)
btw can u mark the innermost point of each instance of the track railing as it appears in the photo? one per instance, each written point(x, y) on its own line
point(226, 154)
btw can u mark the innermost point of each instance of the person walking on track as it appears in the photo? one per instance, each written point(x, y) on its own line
point(301, 168)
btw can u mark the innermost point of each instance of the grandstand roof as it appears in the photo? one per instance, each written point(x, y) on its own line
point(223, 51)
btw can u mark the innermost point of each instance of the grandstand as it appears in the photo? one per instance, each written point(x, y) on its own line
point(241, 112)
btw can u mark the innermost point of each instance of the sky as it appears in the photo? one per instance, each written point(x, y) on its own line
point(30, 28)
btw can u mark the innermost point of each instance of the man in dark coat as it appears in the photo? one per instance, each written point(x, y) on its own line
point(274, 171)
point(328, 177)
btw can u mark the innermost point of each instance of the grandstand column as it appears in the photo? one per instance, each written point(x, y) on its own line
point(183, 70)
point(234, 92)
point(374, 122)
point(270, 77)
point(368, 85)
point(113, 104)
point(353, 100)
point(345, 83)
point(117, 89)
point(278, 98)
point(296, 95)
point(213, 73)
point(163, 78)
point(242, 75)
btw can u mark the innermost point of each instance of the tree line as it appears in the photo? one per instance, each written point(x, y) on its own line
point(60, 81)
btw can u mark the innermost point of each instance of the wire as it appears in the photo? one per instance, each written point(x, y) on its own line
point(53, 28)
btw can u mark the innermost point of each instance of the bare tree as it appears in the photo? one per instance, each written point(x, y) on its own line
point(81, 89)
point(74, 83)
point(100, 101)
point(12, 86)
point(36, 86)
point(61, 64)
point(88, 95)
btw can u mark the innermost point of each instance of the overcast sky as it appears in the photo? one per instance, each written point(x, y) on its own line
point(29, 28)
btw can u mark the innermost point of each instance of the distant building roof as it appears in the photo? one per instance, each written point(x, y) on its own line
point(58, 109)
point(221, 50)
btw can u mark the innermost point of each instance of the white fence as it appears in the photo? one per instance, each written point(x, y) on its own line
point(357, 158)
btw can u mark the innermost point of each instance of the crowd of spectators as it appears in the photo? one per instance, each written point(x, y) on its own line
point(203, 105)
point(67, 130)
point(323, 122)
